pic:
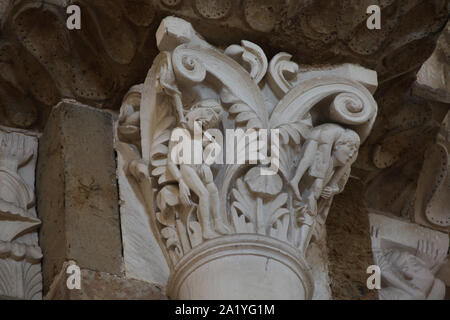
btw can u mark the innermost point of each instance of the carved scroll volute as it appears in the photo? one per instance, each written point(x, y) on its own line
point(203, 214)
point(183, 64)
point(281, 71)
point(353, 105)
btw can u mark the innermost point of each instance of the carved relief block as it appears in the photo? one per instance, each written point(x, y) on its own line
point(97, 285)
point(409, 257)
point(432, 197)
point(20, 255)
point(208, 218)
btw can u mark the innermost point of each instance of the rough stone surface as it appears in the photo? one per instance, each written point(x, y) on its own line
point(42, 61)
point(435, 72)
point(317, 257)
point(392, 157)
point(349, 247)
point(104, 286)
point(77, 191)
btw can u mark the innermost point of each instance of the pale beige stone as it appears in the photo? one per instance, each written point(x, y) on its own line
point(143, 258)
point(76, 184)
point(209, 219)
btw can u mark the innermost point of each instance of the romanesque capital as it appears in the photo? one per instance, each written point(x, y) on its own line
point(240, 229)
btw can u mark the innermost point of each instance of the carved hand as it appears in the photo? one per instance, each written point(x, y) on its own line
point(185, 194)
point(428, 253)
point(306, 210)
point(329, 192)
point(206, 174)
point(376, 244)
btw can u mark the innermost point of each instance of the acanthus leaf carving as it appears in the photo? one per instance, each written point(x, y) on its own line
point(251, 56)
point(281, 71)
point(195, 87)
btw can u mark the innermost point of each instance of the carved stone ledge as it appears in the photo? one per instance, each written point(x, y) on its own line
point(409, 257)
point(237, 264)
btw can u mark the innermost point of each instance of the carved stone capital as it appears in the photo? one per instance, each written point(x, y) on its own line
point(240, 230)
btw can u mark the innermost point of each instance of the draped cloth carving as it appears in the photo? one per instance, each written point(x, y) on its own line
point(227, 227)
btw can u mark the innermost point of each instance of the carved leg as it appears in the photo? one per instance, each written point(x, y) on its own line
point(193, 181)
point(219, 224)
point(305, 231)
point(314, 195)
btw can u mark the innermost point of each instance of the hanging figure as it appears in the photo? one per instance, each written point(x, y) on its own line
point(324, 168)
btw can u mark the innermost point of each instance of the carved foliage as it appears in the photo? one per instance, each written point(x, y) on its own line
point(20, 255)
point(190, 204)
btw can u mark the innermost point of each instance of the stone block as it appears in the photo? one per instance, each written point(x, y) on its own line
point(77, 191)
point(103, 286)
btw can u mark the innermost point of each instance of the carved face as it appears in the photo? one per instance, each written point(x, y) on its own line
point(343, 153)
point(346, 147)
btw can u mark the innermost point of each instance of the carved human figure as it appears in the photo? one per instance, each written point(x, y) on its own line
point(407, 276)
point(326, 160)
point(199, 177)
point(252, 94)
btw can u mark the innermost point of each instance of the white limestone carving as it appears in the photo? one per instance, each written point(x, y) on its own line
point(143, 258)
point(20, 255)
point(409, 257)
point(228, 231)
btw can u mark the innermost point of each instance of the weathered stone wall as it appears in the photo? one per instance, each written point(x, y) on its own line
point(42, 61)
point(349, 246)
